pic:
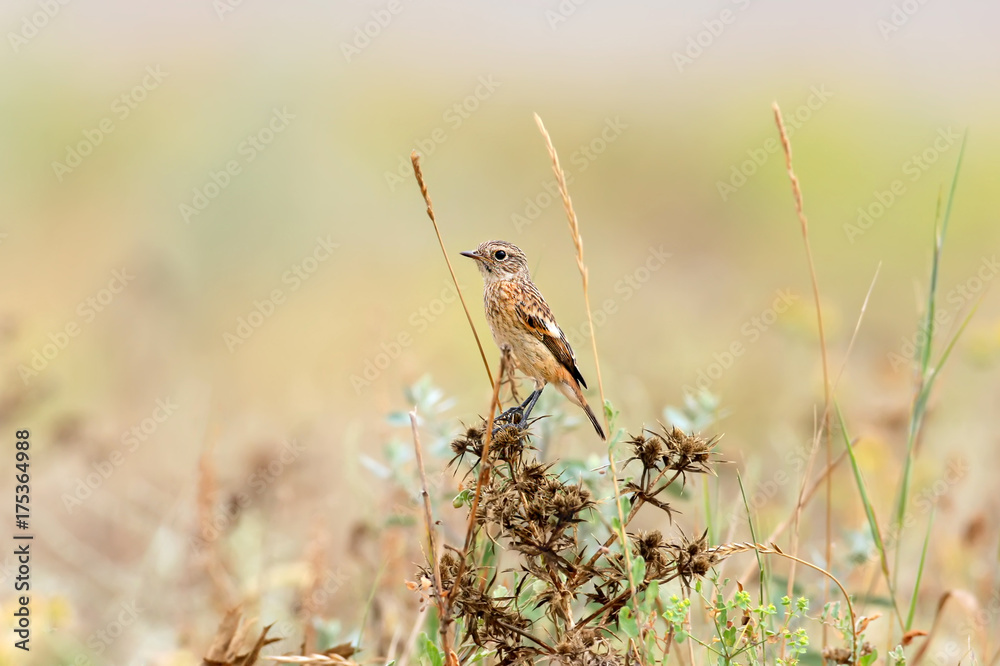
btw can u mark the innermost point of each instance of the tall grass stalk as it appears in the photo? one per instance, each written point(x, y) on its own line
point(415, 159)
point(825, 425)
point(926, 373)
point(574, 228)
point(872, 518)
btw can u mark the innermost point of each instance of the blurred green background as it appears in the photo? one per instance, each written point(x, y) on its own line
point(219, 155)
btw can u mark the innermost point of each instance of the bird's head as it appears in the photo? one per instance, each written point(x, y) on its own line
point(499, 260)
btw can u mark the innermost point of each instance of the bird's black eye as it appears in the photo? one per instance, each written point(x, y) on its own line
point(500, 255)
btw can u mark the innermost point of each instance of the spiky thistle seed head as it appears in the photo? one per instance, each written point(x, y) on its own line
point(470, 442)
point(693, 557)
point(570, 503)
point(647, 450)
point(688, 453)
point(508, 442)
point(653, 549)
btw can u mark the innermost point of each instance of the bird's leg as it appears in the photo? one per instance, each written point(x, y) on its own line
point(516, 414)
point(519, 415)
point(530, 402)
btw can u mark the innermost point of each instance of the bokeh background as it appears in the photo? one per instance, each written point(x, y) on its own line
point(168, 168)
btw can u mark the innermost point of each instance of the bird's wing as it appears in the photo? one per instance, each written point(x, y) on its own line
point(537, 317)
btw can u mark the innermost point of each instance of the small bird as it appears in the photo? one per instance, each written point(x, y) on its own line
point(520, 317)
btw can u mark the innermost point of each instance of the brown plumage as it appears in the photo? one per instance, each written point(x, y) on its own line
point(519, 316)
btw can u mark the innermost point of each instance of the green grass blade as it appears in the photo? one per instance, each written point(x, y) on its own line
point(753, 535)
point(927, 325)
point(951, 345)
point(940, 231)
point(920, 575)
point(869, 513)
point(709, 513)
point(926, 374)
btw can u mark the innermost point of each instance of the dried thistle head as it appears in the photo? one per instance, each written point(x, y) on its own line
point(544, 526)
point(449, 570)
point(687, 453)
point(693, 558)
point(653, 549)
point(470, 442)
point(576, 647)
point(842, 655)
point(647, 450)
point(508, 442)
point(531, 477)
point(569, 503)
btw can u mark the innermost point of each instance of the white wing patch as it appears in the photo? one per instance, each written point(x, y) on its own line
point(557, 332)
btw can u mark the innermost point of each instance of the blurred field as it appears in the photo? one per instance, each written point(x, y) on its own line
point(283, 286)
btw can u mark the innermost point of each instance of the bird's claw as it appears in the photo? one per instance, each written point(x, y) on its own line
point(514, 415)
point(512, 418)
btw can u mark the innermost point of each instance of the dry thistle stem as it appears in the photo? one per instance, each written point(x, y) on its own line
point(552, 604)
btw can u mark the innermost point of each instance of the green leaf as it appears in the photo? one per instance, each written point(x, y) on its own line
point(651, 595)
point(431, 650)
point(868, 659)
point(638, 569)
point(464, 498)
point(611, 413)
point(627, 623)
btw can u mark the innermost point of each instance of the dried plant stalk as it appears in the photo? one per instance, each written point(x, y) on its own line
point(827, 393)
point(415, 159)
point(574, 228)
point(432, 554)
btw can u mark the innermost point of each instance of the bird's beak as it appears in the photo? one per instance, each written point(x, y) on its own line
point(470, 255)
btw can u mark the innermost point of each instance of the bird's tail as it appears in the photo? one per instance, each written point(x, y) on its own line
point(571, 389)
point(593, 419)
